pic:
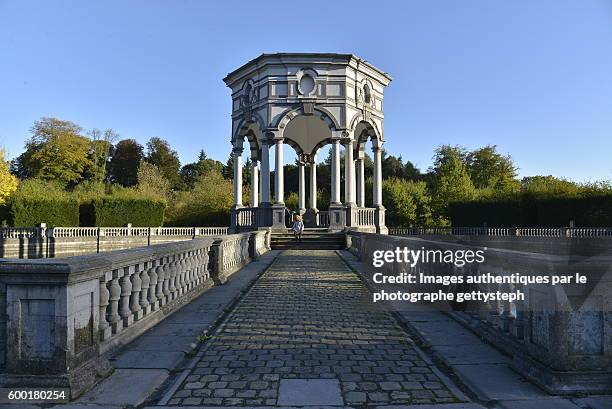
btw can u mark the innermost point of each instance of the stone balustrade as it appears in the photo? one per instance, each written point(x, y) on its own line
point(505, 231)
point(58, 316)
point(560, 337)
point(41, 242)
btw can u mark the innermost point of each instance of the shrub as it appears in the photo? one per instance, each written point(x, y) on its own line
point(121, 210)
point(37, 201)
point(589, 211)
point(208, 204)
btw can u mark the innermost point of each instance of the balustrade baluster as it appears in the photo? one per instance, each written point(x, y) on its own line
point(103, 325)
point(126, 292)
point(146, 284)
point(113, 317)
point(136, 283)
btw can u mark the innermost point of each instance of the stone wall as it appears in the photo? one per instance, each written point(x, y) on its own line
point(58, 316)
point(559, 337)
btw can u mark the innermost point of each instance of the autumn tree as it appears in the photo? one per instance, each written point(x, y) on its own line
point(8, 182)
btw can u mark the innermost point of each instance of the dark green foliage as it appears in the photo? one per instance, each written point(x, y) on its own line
point(125, 162)
point(119, 211)
point(589, 211)
point(38, 201)
point(4, 215)
point(30, 211)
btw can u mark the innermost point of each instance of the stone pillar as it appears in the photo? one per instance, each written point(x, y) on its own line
point(254, 183)
point(237, 154)
point(379, 216)
point(349, 174)
point(336, 210)
point(311, 217)
point(301, 188)
point(377, 193)
point(360, 182)
point(352, 214)
point(265, 172)
point(335, 173)
point(278, 173)
point(278, 209)
point(313, 183)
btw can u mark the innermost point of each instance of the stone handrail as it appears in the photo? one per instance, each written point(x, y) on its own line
point(125, 231)
point(505, 231)
point(41, 242)
point(61, 315)
point(559, 337)
point(19, 232)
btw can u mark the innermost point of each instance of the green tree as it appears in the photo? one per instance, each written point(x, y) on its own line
point(167, 161)
point(545, 187)
point(125, 162)
point(407, 202)
point(191, 172)
point(490, 169)
point(57, 151)
point(451, 181)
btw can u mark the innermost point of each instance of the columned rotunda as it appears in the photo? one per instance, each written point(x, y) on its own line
point(308, 101)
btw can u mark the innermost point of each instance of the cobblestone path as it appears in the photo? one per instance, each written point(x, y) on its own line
point(310, 317)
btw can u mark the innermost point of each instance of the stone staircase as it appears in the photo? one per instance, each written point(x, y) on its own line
point(312, 239)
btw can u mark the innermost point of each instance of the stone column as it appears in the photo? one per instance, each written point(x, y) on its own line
point(377, 193)
point(237, 154)
point(278, 173)
point(313, 183)
point(379, 216)
point(360, 182)
point(349, 174)
point(335, 172)
point(254, 183)
point(265, 172)
point(301, 187)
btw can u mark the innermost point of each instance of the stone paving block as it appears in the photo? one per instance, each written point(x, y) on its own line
point(450, 333)
point(309, 392)
point(550, 403)
point(470, 354)
point(497, 382)
point(126, 387)
point(150, 360)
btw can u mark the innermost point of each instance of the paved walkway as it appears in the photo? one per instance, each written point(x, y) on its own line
point(309, 317)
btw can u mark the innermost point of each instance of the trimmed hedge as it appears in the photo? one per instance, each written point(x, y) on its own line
point(592, 211)
point(26, 211)
point(119, 211)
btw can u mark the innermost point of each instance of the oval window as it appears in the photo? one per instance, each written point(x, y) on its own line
point(307, 84)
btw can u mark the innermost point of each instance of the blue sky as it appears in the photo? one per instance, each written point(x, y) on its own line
point(533, 77)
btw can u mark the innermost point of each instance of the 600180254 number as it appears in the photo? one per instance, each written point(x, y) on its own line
point(30, 395)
